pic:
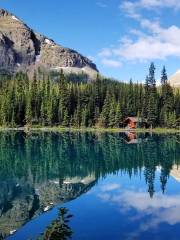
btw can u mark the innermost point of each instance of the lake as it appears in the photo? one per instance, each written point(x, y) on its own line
point(116, 186)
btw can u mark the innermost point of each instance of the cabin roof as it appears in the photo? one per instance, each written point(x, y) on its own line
point(133, 119)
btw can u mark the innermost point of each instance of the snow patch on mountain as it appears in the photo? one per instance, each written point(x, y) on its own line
point(38, 58)
point(15, 18)
point(48, 41)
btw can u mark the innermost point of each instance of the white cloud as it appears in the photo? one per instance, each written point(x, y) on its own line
point(110, 187)
point(105, 52)
point(101, 4)
point(111, 63)
point(132, 8)
point(142, 202)
point(104, 196)
point(148, 43)
point(160, 209)
point(156, 43)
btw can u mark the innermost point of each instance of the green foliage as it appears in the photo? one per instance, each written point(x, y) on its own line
point(118, 116)
point(59, 229)
point(57, 100)
point(152, 97)
point(105, 114)
point(167, 106)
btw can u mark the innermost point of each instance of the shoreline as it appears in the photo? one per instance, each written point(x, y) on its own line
point(108, 130)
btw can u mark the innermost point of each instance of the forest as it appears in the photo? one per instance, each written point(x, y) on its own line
point(56, 99)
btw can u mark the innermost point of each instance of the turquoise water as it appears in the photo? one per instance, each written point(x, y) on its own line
point(117, 186)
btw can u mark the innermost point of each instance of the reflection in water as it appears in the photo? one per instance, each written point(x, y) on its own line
point(145, 210)
point(175, 173)
point(41, 170)
point(59, 228)
point(131, 138)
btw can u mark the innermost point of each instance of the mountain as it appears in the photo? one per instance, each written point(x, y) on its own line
point(23, 49)
point(175, 173)
point(174, 80)
point(20, 202)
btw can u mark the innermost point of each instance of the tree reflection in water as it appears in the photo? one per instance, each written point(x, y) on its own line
point(51, 168)
point(59, 229)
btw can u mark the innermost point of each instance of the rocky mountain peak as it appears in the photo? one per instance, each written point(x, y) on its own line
point(4, 13)
point(23, 49)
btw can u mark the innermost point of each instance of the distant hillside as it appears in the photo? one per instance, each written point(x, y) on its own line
point(174, 80)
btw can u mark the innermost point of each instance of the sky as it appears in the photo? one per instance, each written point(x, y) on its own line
point(121, 37)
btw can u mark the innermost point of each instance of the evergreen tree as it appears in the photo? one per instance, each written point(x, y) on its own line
point(112, 114)
point(66, 119)
point(63, 98)
point(118, 116)
point(84, 117)
point(166, 99)
point(104, 117)
point(28, 110)
point(131, 100)
point(152, 101)
point(97, 99)
point(164, 77)
point(146, 99)
point(77, 116)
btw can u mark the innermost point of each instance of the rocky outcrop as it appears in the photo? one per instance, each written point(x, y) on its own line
point(174, 80)
point(23, 49)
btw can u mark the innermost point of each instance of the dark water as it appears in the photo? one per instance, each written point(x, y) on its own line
point(116, 186)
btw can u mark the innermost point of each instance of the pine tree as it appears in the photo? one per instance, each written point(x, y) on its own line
point(97, 98)
point(49, 112)
point(152, 101)
point(145, 99)
point(34, 90)
point(104, 117)
point(112, 114)
point(167, 98)
point(28, 110)
point(164, 77)
point(118, 116)
point(131, 100)
point(171, 119)
point(77, 116)
point(63, 97)
point(66, 119)
point(84, 117)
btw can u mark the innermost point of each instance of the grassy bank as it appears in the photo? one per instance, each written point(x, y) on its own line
point(110, 130)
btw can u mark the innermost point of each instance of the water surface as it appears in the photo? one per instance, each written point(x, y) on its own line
point(117, 186)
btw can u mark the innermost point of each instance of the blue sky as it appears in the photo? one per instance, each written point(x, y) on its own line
point(121, 37)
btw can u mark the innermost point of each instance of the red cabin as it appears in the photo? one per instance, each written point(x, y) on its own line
point(132, 122)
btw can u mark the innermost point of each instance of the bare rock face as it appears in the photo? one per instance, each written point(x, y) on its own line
point(21, 49)
point(17, 46)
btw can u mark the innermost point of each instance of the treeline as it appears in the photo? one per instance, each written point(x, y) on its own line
point(62, 101)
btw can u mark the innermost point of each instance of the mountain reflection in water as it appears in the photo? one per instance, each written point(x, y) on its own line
point(42, 170)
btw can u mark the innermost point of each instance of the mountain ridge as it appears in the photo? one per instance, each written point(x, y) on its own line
point(21, 48)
